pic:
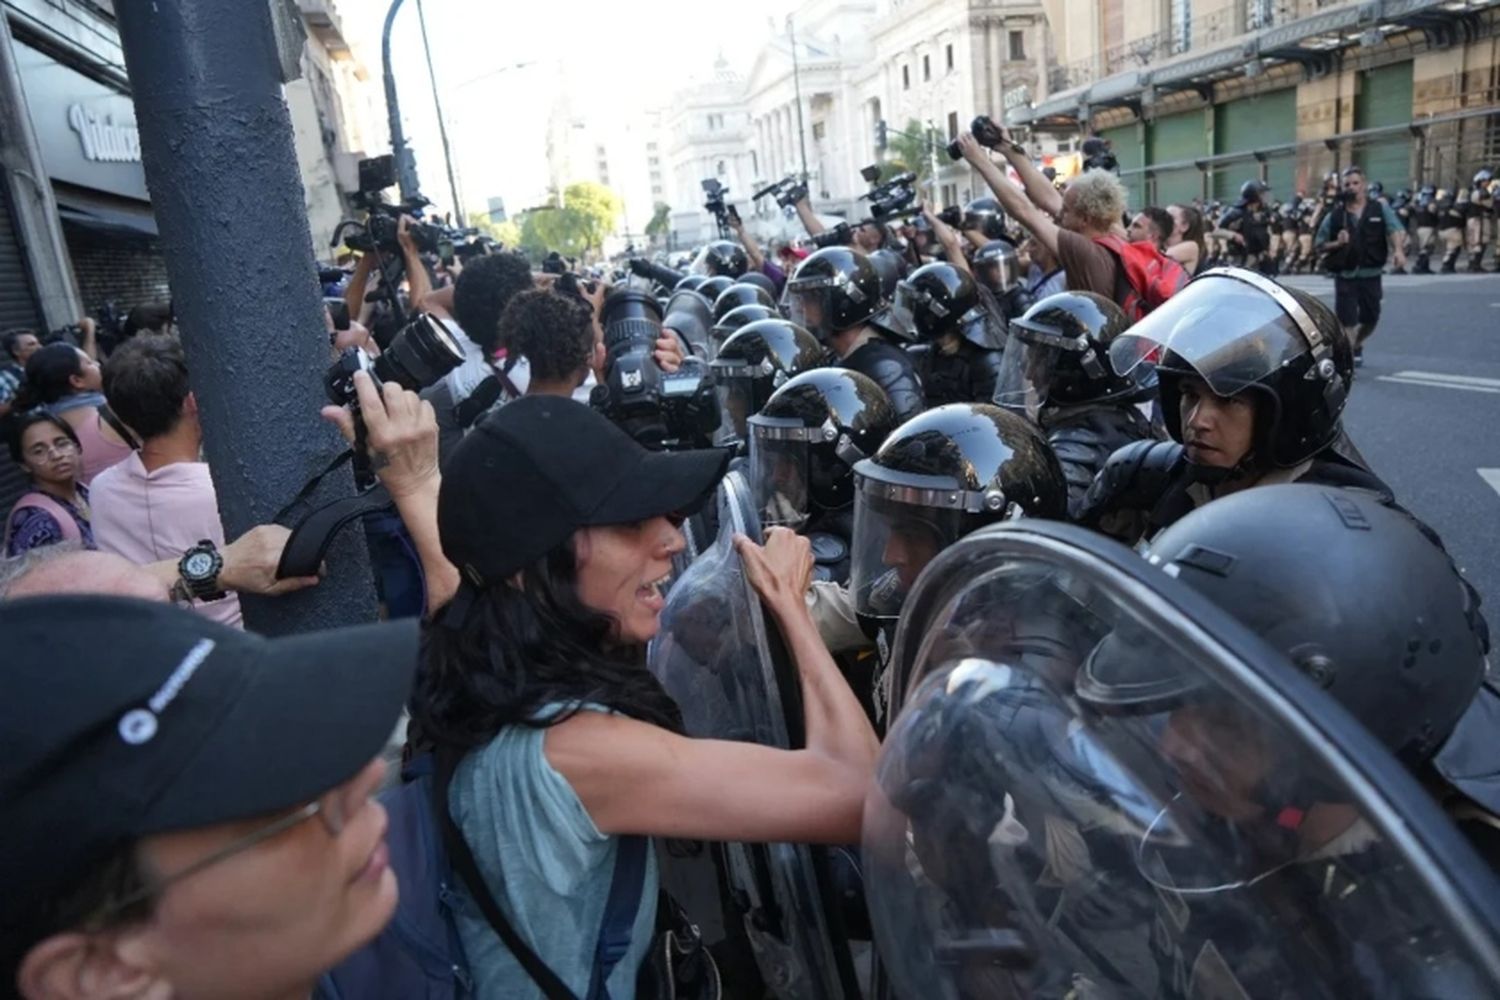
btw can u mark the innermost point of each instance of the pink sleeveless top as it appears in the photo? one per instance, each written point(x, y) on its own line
point(99, 452)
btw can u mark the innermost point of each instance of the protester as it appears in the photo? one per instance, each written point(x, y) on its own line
point(56, 508)
point(67, 381)
point(559, 335)
point(1151, 225)
point(19, 346)
point(564, 528)
point(184, 815)
point(1185, 244)
point(1044, 275)
point(1068, 224)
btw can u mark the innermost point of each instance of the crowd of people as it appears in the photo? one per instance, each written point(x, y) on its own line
point(198, 811)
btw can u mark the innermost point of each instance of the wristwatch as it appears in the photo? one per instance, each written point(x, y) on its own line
point(198, 573)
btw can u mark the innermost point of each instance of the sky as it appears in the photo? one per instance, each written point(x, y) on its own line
point(614, 58)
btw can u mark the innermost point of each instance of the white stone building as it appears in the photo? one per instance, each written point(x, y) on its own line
point(707, 134)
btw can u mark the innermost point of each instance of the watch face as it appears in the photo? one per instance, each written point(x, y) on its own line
point(199, 565)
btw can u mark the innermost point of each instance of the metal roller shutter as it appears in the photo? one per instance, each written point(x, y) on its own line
point(1256, 123)
point(1174, 139)
point(1385, 98)
point(1131, 153)
point(18, 307)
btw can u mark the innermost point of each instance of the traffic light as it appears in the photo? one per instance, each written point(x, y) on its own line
point(882, 136)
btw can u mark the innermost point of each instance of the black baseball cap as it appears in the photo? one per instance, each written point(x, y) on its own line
point(120, 719)
point(534, 471)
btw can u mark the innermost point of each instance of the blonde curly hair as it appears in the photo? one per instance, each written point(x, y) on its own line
point(1098, 199)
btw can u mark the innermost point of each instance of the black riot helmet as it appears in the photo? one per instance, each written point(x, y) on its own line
point(722, 258)
point(741, 294)
point(760, 281)
point(1059, 354)
point(891, 266)
point(935, 300)
point(1426, 194)
point(939, 476)
point(1351, 592)
point(1252, 191)
point(1376, 189)
point(691, 282)
point(756, 360)
point(833, 290)
point(733, 320)
point(986, 216)
point(806, 439)
point(713, 287)
point(997, 266)
point(1239, 331)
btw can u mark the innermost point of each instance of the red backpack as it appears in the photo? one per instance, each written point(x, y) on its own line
point(1150, 276)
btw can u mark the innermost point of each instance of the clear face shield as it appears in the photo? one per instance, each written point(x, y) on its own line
point(999, 273)
point(894, 540)
point(806, 304)
point(780, 464)
point(1026, 372)
point(735, 385)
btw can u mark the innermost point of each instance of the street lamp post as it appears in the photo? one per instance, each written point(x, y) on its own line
point(791, 30)
point(406, 163)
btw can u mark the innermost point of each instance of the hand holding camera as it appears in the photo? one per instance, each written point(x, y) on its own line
point(400, 433)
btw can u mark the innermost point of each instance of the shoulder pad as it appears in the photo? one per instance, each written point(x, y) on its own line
point(1133, 478)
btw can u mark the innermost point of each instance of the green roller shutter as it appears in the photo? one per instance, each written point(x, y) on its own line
point(1126, 142)
point(1384, 98)
point(1262, 122)
point(1175, 139)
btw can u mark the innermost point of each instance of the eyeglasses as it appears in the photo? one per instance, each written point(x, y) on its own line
point(62, 448)
point(330, 808)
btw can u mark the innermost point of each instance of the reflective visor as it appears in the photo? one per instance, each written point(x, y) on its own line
point(1232, 333)
point(779, 477)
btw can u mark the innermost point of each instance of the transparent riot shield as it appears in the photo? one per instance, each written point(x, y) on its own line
point(1097, 784)
point(724, 664)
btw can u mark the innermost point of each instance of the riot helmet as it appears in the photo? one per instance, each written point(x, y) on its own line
point(715, 286)
point(1059, 354)
point(938, 477)
point(1253, 191)
point(741, 294)
point(733, 320)
point(805, 442)
point(1240, 331)
point(1483, 177)
point(891, 267)
point(755, 361)
point(691, 282)
point(1347, 589)
point(997, 266)
point(722, 258)
point(985, 216)
point(760, 281)
point(833, 290)
point(1426, 195)
point(935, 300)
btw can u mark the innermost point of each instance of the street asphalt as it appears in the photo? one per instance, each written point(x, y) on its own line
point(1425, 411)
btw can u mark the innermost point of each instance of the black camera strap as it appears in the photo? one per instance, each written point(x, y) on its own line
point(486, 394)
point(315, 527)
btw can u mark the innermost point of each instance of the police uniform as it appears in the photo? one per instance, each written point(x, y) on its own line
point(1452, 217)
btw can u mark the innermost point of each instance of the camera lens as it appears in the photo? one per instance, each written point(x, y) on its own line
point(954, 153)
point(420, 354)
point(630, 315)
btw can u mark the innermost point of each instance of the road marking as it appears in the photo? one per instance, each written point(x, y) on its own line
point(1439, 380)
point(1434, 384)
point(1491, 476)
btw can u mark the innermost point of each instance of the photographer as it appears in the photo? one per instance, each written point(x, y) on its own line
point(1068, 225)
point(560, 336)
point(867, 236)
point(758, 261)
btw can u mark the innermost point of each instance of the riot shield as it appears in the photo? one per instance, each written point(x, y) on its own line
point(1098, 784)
point(721, 660)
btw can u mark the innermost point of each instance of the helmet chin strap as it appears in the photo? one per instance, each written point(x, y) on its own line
point(1216, 475)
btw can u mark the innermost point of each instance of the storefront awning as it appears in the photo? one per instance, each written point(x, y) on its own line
point(105, 217)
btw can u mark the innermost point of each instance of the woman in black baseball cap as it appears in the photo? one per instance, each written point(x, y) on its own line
point(563, 529)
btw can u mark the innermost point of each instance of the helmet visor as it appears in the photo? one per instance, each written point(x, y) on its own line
point(736, 390)
point(807, 306)
point(779, 471)
point(893, 543)
point(1232, 333)
point(901, 314)
point(1026, 372)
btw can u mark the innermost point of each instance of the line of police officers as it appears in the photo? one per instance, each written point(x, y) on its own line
point(1443, 224)
point(891, 412)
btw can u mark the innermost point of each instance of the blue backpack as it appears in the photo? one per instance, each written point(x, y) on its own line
point(418, 956)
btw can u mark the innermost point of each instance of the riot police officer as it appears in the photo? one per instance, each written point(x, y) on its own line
point(834, 294)
point(891, 267)
point(1452, 216)
point(1289, 221)
point(948, 472)
point(804, 444)
point(1247, 222)
point(735, 319)
point(1057, 372)
point(1481, 205)
point(1404, 209)
point(741, 294)
point(997, 268)
point(1425, 216)
point(1252, 402)
point(754, 361)
point(722, 258)
point(959, 342)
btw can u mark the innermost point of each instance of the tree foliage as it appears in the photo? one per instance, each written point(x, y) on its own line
point(507, 232)
point(908, 151)
point(590, 212)
point(661, 221)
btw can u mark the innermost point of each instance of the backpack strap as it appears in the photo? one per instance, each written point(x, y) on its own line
point(620, 910)
point(118, 426)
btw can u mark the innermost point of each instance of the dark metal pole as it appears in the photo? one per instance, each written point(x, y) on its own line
point(791, 31)
point(406, 161)
point(437, 104)
point(216, 141)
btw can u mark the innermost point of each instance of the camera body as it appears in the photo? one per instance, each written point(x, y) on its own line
point(893, 197)
point(1099, 155)
point(661, 410)
point(382, 220)
point(840, 235)
point(952, 216)
point(422, 352)
point(787, 192)
point(986, 133)
point(714, 204)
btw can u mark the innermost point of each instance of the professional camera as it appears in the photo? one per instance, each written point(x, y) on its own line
point(840, 235)
point(422, 352)
point(787, 191)
point(660, 410)
point(1098, 154)
point(952, 217)
point(986, 132)
point(888, 199)
point(714, 193)
point(379, 228)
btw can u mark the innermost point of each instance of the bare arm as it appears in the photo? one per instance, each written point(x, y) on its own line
point(752, 247)
point(636, 778)
point(419, 286)
point(1043, 194)
point(809, 220)
point(949, 241)
point(354, 292)
point(1037, 222)
point(90, 345)
point(439, 301)
point(250, 563)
